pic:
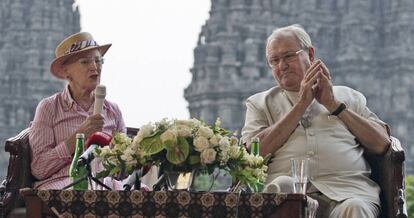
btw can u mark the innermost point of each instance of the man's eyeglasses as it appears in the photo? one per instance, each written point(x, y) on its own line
point(287, 58)
point(88, 61)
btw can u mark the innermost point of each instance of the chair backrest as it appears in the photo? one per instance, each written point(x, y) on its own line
point(388, 172)
point(18, 172)
point(131, 131)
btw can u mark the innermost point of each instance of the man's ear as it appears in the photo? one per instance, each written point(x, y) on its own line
point(311, 54)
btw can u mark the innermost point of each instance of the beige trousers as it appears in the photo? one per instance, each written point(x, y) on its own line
point(349, 208)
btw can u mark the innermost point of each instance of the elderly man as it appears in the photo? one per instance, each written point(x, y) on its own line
point(305, 116)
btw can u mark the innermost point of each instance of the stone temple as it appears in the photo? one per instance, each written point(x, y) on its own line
point(29, 34)
point(367, 45)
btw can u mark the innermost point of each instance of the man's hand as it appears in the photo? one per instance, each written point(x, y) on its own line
point(306, 93)
point(323, 89)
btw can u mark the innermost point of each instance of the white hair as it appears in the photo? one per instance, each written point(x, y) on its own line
point(297, 30)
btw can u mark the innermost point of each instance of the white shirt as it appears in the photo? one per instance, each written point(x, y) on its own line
point(337, 167)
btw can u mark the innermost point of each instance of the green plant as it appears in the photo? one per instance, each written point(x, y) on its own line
point(409, 190)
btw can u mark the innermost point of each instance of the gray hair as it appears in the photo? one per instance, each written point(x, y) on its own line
point(297, 30)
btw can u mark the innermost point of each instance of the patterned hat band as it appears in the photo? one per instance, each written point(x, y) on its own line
point(77, 46)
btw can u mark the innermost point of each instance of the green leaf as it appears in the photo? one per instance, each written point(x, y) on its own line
point(152, 145)
point(178, 153)
point(169, 144)
point(102, 174)
point(194, 159)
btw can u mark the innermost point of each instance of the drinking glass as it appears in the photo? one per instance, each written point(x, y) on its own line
point(300, 173)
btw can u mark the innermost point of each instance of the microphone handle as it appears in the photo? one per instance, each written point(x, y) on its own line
point(87, 156)
point(159, 184)
point(97, 108)
point(133, 180)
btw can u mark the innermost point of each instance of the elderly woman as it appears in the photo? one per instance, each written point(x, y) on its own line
point(59, 117)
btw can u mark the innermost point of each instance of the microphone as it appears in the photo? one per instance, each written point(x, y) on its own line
point(284, 184)
point(100, 93)
point(133, 180)
point(96, 139)
point(87, 156)
point(99, 138)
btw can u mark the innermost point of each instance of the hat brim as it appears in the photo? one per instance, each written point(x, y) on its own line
point(56, 66)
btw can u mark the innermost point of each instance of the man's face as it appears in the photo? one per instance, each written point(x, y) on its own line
point(292, 63)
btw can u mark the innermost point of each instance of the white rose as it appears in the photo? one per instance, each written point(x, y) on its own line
point(215, 139)
point(183, 130)
point(201, 143)
point(208, 156)
point(169, 135)
point(205, 132)
point(224, 143)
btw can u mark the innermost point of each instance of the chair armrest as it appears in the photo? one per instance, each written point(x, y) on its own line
point(397, 171)
point(388, 171)
point(132, 131)
point(18, 171)
point(2, 188)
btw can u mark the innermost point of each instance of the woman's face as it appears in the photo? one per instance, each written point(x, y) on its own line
point(84, 70)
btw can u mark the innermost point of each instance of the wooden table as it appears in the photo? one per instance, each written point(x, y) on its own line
point(67, 203)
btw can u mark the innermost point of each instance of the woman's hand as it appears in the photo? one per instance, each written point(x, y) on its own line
point(92, 124)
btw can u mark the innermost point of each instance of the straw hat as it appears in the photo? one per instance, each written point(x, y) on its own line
point(73, 45)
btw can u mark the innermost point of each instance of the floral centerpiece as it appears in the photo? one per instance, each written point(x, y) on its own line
point(183, 145)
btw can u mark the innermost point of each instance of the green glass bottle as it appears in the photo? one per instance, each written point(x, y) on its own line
point(255, 146)
point(255, 150)
point(76, 172)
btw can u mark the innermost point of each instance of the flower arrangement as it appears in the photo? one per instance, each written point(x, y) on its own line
point(183, 145)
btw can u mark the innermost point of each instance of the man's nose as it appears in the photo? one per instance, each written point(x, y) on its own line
point(282, 64)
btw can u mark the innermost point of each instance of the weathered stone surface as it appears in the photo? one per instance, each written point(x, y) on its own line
point(367, 45)
point(29, 34)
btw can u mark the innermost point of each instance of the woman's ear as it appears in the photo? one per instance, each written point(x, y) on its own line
point(66, 74)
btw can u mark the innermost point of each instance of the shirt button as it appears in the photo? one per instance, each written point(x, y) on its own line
point(311, 133)
point(311, 153)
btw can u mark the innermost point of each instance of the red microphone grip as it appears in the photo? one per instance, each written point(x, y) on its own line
point(98, 138)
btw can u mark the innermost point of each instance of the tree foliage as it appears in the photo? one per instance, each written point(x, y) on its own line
point(409, 181)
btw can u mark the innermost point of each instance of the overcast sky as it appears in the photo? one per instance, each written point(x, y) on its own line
point(147, 67)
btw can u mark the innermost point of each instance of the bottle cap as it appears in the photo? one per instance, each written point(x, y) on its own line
point(254, 140)
point(80, 135)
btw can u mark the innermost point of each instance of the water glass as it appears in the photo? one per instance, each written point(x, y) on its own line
point(300, 173)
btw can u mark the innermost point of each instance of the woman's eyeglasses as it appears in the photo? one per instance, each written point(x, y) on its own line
point(87, 61)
